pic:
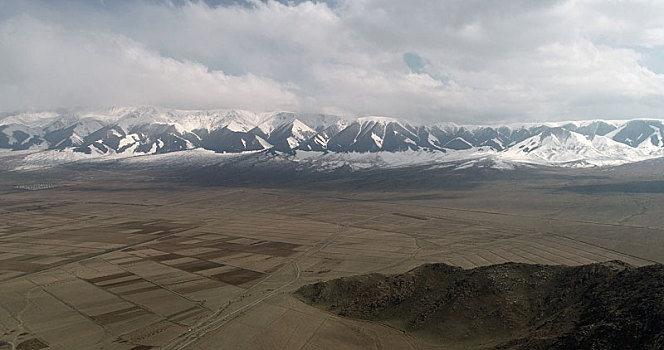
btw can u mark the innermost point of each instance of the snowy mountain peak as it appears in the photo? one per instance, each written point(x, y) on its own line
point(124, 131)
point(559, 146)
point(377, 120)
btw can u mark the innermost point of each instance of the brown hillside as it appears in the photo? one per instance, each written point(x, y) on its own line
point(509, 306)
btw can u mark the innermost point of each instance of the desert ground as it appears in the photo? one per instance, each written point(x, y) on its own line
point(107, 258)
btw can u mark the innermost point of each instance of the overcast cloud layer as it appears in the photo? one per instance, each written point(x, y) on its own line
point(464, 61)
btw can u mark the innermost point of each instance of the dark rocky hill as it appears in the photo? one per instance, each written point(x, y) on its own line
point(509, 306)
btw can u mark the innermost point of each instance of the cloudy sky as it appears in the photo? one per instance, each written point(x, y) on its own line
point(429, 60)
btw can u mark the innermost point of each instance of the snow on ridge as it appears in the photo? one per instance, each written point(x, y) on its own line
point(270, 121)
point(148, 129)
point(32, 120)
point(384, 159)
point(192, 118)
point(299, 133)
point(560, 147)
point(377, 119)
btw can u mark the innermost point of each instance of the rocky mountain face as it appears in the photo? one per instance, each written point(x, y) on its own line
point(148, 130)
point(509, 306)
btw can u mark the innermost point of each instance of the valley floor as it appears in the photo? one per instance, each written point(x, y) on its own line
point(102, 259)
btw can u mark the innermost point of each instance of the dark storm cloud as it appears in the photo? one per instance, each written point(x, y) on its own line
point(430, 60)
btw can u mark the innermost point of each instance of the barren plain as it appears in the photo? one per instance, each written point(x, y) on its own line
point(120, 258)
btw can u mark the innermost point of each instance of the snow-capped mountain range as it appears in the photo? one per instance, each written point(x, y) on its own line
point(131, 131)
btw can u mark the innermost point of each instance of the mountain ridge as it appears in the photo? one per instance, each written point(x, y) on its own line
point(150, 130)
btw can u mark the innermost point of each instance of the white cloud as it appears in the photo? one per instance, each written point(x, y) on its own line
point(515, 59)
point(45, 65)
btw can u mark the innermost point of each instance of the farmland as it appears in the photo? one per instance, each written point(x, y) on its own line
point(128, 260)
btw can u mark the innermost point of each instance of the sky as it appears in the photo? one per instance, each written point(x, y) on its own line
point(424, 60)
